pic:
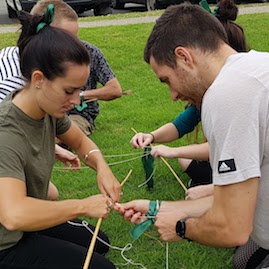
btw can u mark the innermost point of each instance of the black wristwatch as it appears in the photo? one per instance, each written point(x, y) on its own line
point(181, 228)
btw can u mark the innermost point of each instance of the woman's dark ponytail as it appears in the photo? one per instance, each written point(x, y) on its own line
point(28, 28)
point(227, 10)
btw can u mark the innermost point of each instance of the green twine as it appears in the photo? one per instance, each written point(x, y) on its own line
point(81, 106)
point(48, 18)
point(148, 164)
point(140, 228)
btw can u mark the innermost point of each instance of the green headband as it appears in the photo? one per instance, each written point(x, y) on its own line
point(205, 5)
point(48, 18)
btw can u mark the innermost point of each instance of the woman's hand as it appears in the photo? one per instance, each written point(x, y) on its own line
point(163, 151)
point(199, 192)
point(97, 206)
point(67, 158)
point(141, 140)
point(108, 184)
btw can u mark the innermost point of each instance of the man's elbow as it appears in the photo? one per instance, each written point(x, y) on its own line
point(115, 89)
point(117, 93)
point(235, 236)
point(238, 240)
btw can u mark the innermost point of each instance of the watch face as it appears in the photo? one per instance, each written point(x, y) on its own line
point(181, 228)
point(178, 228)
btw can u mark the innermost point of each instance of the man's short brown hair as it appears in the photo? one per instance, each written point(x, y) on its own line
point(62, 10)
point(185, 25)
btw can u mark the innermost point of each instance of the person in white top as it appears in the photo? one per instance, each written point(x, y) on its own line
point(232, 91)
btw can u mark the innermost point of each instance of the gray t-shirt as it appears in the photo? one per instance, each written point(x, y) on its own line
point(235, 117)
point(27, 152)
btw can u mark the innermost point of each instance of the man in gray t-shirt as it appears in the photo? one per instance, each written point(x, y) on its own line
point(238, 131)
point(188, 50)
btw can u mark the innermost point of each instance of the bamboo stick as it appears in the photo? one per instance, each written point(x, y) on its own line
point(97, 228)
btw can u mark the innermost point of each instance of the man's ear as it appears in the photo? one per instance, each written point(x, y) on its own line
point(184, 56)
point(37, 79)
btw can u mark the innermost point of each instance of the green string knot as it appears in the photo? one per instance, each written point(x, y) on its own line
point(139, 229)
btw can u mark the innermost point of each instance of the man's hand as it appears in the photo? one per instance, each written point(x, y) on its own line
point(166, 219)
point(133, 211)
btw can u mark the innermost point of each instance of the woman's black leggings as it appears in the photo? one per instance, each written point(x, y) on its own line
point(63, 246)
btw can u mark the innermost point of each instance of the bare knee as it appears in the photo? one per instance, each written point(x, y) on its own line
point(184, 163)
point(53, 193)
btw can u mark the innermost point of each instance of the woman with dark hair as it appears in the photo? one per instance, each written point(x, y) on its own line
point(227, 12)
point(34, 232)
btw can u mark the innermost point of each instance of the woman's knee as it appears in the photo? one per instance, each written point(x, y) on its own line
point(184, 163)
point(53, 193)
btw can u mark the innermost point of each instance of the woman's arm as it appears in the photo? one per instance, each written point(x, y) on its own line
point(21, 212)
point(195, 152)
point(83, 146)
point(183, 124)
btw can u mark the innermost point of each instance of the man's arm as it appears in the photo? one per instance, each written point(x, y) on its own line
point(228, 223)
point(110, 91)
point(230, 220)
point(169, 213)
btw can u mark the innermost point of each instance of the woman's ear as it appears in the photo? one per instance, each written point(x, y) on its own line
point(37, 79)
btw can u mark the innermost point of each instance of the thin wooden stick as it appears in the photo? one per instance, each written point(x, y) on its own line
point(90, 251)
point(170, 168)
point(134, 130)
point(90, 100)
point(126, 178)
point(97, 228)
point(174, 173)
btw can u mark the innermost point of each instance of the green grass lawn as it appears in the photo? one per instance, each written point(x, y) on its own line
point(148, 107)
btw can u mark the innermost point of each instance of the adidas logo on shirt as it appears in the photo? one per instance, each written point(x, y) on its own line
point(226, 166)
